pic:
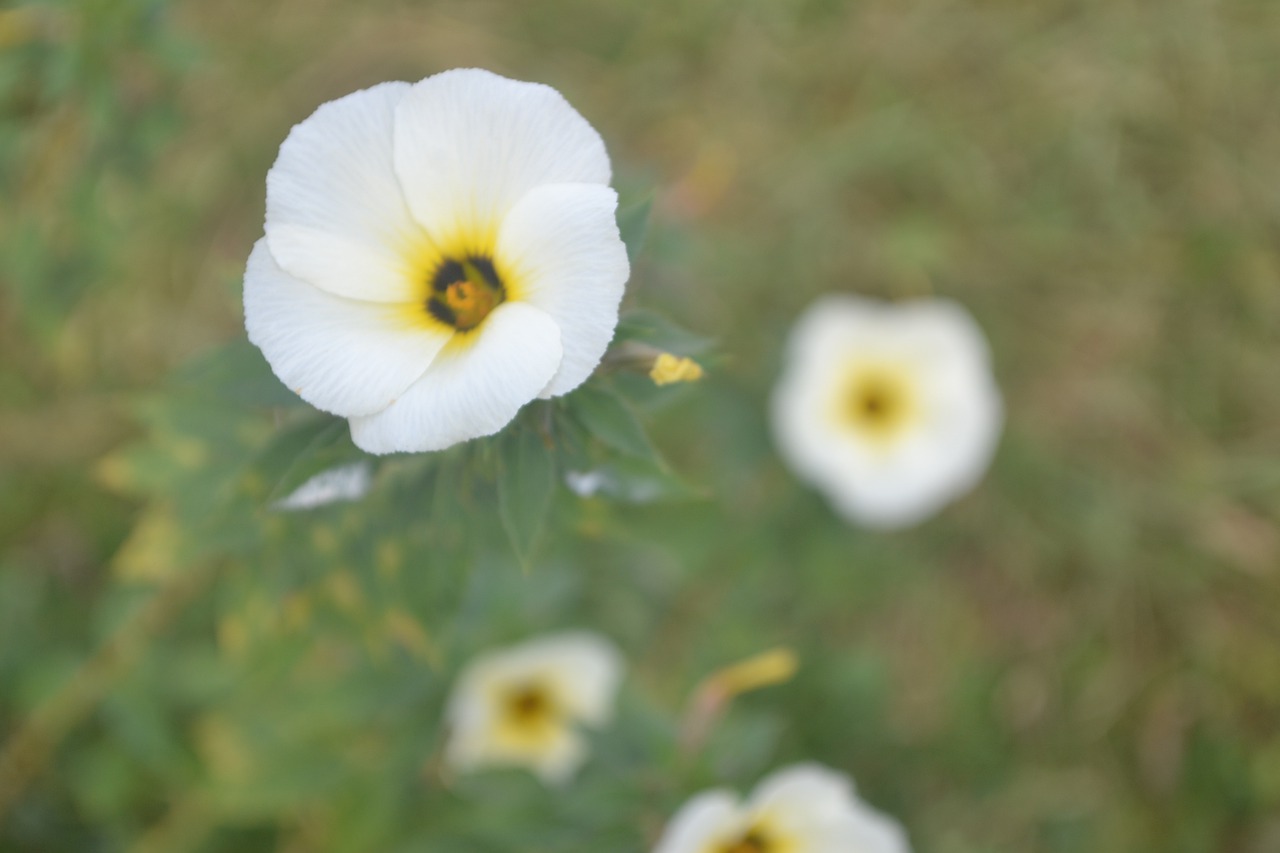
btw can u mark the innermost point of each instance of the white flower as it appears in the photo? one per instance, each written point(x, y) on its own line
point(436, 256)
point(800, 809)
point(891, 410)
point(524, 706)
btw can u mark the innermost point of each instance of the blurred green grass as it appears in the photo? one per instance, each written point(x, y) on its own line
point(1083, 655)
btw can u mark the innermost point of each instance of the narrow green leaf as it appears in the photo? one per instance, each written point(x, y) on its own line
point(607, 416)
point(235, 373)
point(526, 482)
point(649, 327)
point(298, 453)
point(633, 224)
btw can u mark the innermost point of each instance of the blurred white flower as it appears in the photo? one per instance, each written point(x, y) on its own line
point(344, 483)
point(524, 705)
point(436, 256)
point(891, 410)
point(805, 808)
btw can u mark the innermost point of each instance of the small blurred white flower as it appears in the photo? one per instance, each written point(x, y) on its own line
point(524, 705)
point(344, 483)
point(801, 809)
point(585, 484)
point(436, 256)
point(891, 410)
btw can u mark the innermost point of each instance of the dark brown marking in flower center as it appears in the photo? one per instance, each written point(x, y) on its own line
point(529, 706)
point(464, 292)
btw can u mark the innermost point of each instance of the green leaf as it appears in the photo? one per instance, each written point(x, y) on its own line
point(634, 481)
point(300, 452)
point(526, 482)
point(607, 416)
point(633, 224)
point(649, 327)
point(235, 373)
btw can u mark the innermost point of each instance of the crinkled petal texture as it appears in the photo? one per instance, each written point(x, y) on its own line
point(943, 448)
point(578, 672)
point(470, 390)
point(561, 243)
point(801, 809)
point(469, 144)
point(336, 215)
point(367, 199)
point(341, 355)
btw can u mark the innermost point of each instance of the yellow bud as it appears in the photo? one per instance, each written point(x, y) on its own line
point(775, 666)
point(668, 369)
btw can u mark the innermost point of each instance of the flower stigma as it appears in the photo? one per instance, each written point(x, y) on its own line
point(464, 292)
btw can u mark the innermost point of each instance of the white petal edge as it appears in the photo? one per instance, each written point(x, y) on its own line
point(808, 790)
point(818, 808)
point(472, 390)
point(469, 144)
point(561, 244)
point(340, 355)
point(336, 216)
point(707, 818)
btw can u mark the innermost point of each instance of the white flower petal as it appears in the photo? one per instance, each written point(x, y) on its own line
point(344, 483)
point(561, 243)
point(805, 792)
point(469, 144)
point(340, 355)
point(470, 390)
point(561, 760)
point(585, 669)
point(816, 809)
point(555, 760)
point(336, 216)
point(710, 817)
point(950, 441)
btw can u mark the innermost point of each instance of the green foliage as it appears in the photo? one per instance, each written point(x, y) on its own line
point(1079, 656)
point(526, 483)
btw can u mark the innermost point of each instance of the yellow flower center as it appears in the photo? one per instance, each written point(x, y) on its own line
point(528, 714)
point(877, 401)
point(465, 291)
point(528, 705)
point(753, 841)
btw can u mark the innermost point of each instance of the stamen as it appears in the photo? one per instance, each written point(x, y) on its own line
point(464, 292)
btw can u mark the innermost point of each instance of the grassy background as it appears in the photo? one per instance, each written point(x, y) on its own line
point(1082, 655)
